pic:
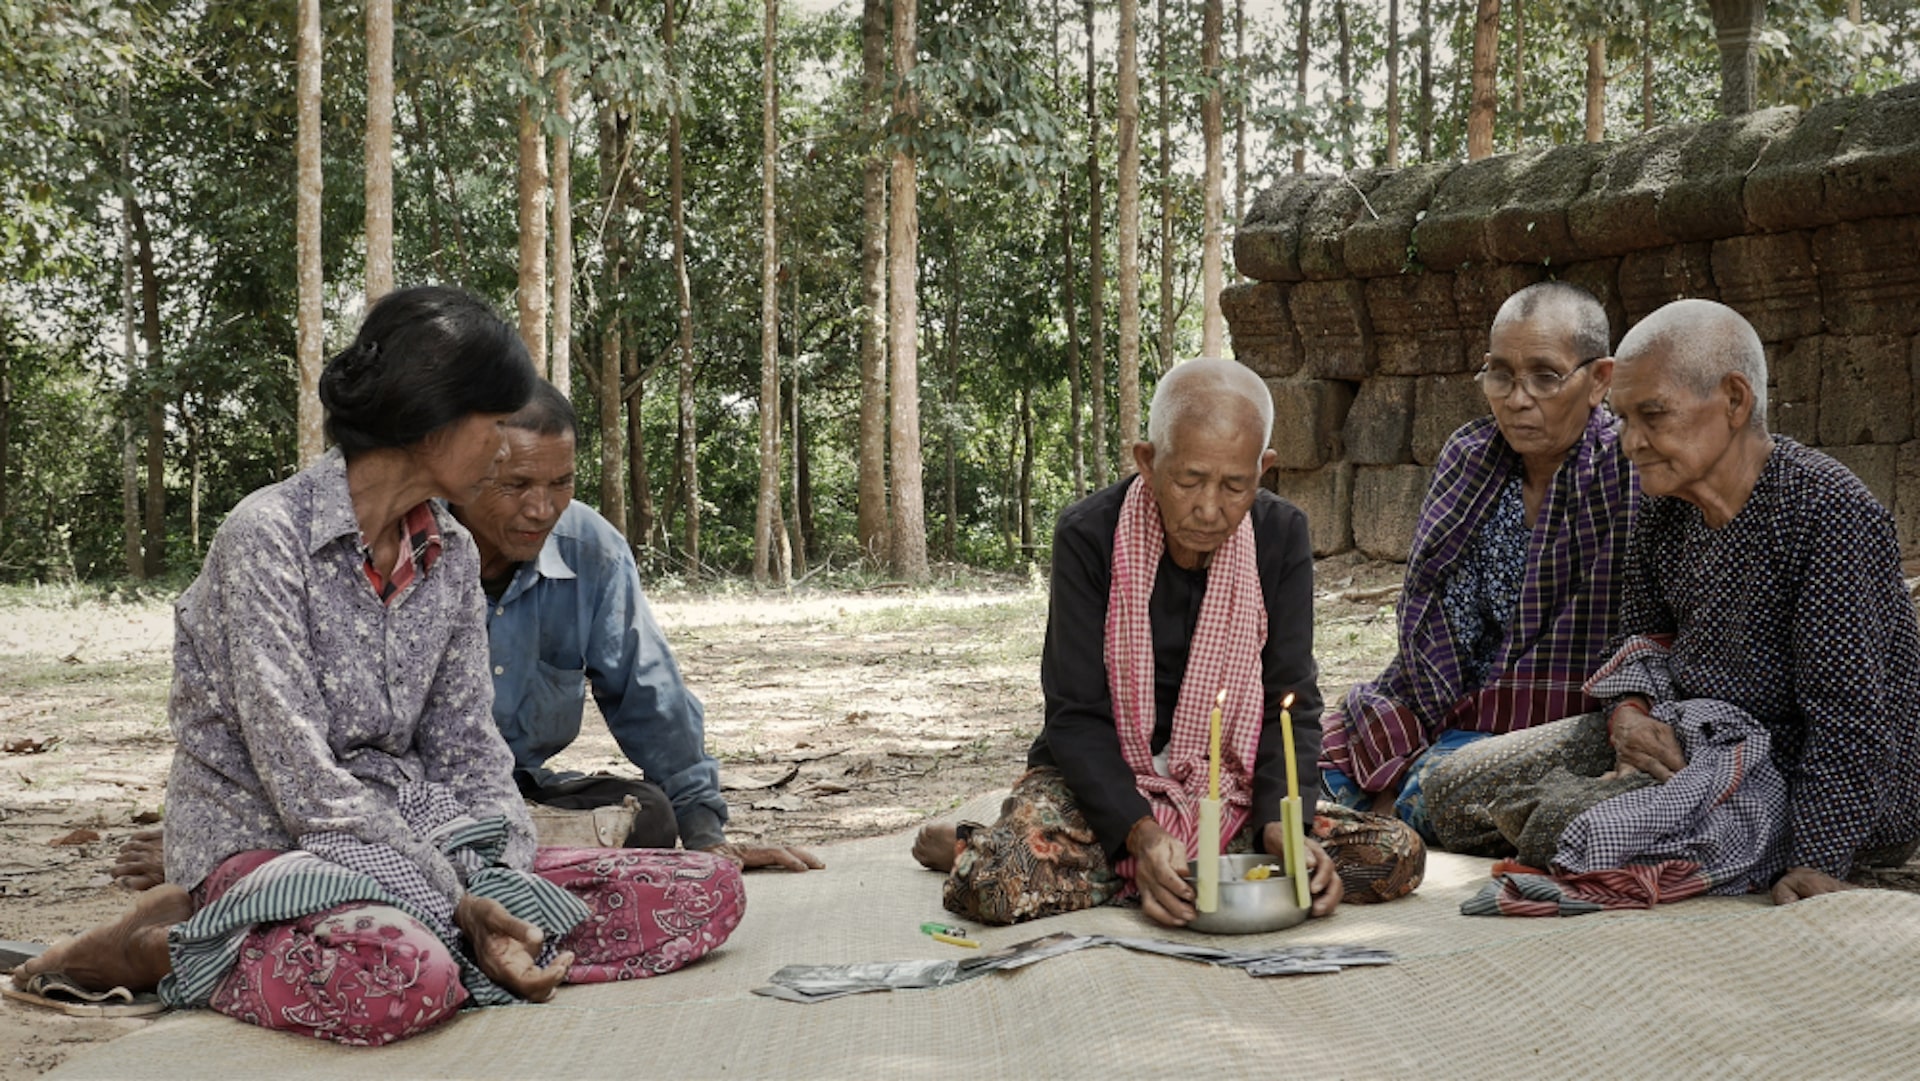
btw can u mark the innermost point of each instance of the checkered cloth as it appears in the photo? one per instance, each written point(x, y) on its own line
point(1717, 826)
point(1227, 640)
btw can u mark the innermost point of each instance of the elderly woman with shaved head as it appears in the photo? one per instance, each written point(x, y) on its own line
point(1762, 579)
point(1168, 587)
point(1513, 580)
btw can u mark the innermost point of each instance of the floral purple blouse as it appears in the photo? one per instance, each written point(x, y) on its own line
point(302, 705)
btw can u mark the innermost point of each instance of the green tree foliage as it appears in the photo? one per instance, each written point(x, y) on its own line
point(187, 109)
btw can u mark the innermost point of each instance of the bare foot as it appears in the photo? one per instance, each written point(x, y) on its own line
point(936, 846)
point(141, 864)
point(130, 952)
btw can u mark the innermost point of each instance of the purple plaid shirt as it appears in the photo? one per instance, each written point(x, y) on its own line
point(1560, 630)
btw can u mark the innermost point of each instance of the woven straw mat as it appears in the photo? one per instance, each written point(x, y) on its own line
point(1729, 987)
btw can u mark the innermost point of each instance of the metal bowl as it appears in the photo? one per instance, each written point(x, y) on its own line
point(1247, 908)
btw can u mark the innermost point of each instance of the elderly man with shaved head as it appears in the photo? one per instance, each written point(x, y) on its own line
point(1763, 580)
point(1167, 588)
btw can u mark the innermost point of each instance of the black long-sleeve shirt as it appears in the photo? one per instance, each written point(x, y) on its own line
point(1079, 737)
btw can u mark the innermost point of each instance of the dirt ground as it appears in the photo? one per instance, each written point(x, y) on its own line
point(834, 716)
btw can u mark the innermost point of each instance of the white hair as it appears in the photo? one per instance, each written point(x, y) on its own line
point(1704, 341)
point(1193, 391)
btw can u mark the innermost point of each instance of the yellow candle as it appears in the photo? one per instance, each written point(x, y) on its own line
point(1286, 738)
point(1213, 746)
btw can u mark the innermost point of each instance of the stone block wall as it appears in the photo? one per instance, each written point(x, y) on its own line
point(1371, 294)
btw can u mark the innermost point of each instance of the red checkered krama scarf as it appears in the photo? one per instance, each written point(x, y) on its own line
point(1227, 641)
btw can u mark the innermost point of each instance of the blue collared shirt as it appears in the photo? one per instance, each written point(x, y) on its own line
point(576, 616)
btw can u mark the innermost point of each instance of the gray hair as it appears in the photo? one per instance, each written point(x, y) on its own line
point(1586, 318)
point(1192, 391)
point(1704, 341)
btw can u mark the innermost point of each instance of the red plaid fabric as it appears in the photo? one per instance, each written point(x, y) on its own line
point(1227, 640)
point(420, 546)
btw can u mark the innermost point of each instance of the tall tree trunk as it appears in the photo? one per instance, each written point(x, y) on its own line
point(156, 412)
point(800, 524)
point(1646, 65)
point(560, 363)
point(1069, 305)
point(871, 519)
point(194, 484)
point(1166, 190)
point(1393, 84)
point(1345, 25)
point(1597, 88)
point(310, 330)
point(1486, 58)
point(1076, 374)
point(950, 396)
point(767, 508)
point(613, 449)
point(909, 547)
point(532, 296)
point(1426, 80)
point(379, 149)
point(908, 538)
point(1096, 266)
point(1127, 131)
point(642, 517)
point(130, 356)
point(1302, 53)
point(688, 437)
point(617, 454)
point(1213, 337)
point(1026, 469)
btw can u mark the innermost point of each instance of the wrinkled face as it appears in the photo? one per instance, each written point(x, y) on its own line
point(513, 513)
point(1673, 436)
point(1541, 346)
point(1205, 484)
point(463, 455)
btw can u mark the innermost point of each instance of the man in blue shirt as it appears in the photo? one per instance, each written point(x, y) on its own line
point(565, 611)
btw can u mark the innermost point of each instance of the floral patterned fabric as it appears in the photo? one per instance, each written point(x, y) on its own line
point(1040, 858)
point(1480, 599)
point(368, 974)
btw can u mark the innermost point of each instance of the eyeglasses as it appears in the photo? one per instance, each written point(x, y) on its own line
point(1496, 385)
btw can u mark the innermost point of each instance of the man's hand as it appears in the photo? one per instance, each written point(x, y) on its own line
point(1800, 883)
point(1322, 882)
point(507, 949)
point(1642, 744)
point(748, 857)
point(1160, 868)
point(141, 864)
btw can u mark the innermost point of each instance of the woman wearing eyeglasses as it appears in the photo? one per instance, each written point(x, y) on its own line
point(1513, 579)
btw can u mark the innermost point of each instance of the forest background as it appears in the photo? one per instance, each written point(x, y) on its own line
point(867, 287)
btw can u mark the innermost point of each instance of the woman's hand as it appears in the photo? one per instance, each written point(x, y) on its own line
point(1322, 882)
point(1642, 744)
point(507, 949)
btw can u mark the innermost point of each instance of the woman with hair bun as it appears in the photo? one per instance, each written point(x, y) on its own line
point(346, 852)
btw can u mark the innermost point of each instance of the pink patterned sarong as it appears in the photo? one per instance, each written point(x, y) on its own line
point(368, 974)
